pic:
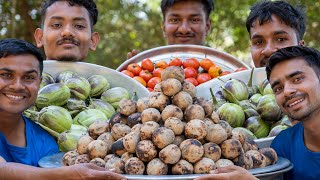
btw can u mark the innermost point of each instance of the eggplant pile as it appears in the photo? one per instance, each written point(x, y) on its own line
point(69, 103)
point(250, 106)
point(169, 132)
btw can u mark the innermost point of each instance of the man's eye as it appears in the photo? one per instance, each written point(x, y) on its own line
point(79, 26)
point(196, 20)
point(277, 90)
point(6, 75)
point(173, 20)
point(257, 42)
point(56, 25)
point(29, 77)
point(281, 39)
point(297, 79)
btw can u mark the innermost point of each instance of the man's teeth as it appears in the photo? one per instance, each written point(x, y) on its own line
point(14, 97)
point(296, 102)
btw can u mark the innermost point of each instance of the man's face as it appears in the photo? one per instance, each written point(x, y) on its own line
point(269, 37)
point(66, 33)
point(296, 87)
point(19, 83)
point(186, 23)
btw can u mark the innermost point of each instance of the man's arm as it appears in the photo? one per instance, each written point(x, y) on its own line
point(80, 171)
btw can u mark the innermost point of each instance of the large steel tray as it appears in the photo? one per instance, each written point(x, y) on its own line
point(115, 78)
point(224, 60)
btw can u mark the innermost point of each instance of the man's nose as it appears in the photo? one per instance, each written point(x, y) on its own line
point(269, 49)
point(289, 91)
point(184, 27)
point(67, 31)
point(17, 84)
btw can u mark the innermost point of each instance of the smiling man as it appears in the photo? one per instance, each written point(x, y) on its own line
point(66, 32)
point(273, 25)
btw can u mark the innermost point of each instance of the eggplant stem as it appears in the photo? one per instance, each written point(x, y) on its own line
point(52, 132)
point(214, 100)
point(236, 101)
point(251, 77)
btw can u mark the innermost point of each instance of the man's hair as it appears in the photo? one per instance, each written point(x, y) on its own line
point(15, 47)
point(310, 55)
point(90, 5)
point(292, 16)
point(208, 6)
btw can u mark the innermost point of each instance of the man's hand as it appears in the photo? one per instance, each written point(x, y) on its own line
point(228, 173)
point(132, 53)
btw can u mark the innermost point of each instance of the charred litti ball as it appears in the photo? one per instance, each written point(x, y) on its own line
point(175, 125)
point(215, 117)
point(231, 148)
point(195, 129)
point(118, 148)
point(158, 100)
point(157, 167)
point(212, 151)
point(120, 130)
point(150, 114)
point(189, 88)
point(109, 156)
point(142, 104)
point(108, 139)
point(270, 155)
point(204, 166)
point(178, 140)
point(117, 164)
point(182, 167)
point(117, 118)
point(182, 100)
point(69, 158)
point(97, 149)
point(170, 154)
point(223, 163)
point(146, 150)
point(206, 105)
point(173, 72)
point(134, 166)
point(97, 128)
point(250, 144)
point(130, 141)
point(244, 160)
point(171, 111)
point(127, 107)
point(191, 150)
point(82, 158)
point(147, 129)
point(208, 121)
point(136, 128)
point(194, 111)
point(126, 156)
point(259, 160)
point(216, 134)
point(162, 137)
point(134, 119)
point(157, 87)
point(83, 143)
point(171, 86)
point(238, 135)
point(98, 161)
point(226, 126)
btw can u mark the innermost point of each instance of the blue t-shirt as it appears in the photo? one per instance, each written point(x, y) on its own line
point(39, 143)
point(290, 144)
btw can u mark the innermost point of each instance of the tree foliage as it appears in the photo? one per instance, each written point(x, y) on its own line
point(136, 24)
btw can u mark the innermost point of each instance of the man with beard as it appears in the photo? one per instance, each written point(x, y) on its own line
point(185, 21)
point(66, 32)
point(294, 75)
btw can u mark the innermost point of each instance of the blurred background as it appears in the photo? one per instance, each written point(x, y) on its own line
point(136, 24)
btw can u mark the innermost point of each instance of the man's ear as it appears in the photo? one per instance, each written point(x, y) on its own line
point(208, 26)
point(95, 38)
point(163, 27)
point(38, 34)
point(301, 42)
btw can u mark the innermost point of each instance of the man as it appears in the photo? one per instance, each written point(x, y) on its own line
point(294, 75)
point(66, 32)
point(185, 21)
point(22, 142)
point(273, 25)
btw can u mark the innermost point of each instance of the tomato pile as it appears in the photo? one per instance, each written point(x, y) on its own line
point(196, 72)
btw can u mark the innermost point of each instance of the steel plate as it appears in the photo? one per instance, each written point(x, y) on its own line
point(283, 165)
point(224, 60)
point(115, 78)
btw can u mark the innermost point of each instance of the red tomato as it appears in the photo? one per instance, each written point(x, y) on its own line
point(175, 62)
point(193, 81)
point(134, 68)
point(128, 73)
point(157, 72)
point(140, 80)
point(191, 62)
point(147, 64)
point(225, 73)
point(146, 75)
point(214, 71)
point(240, 69)
point(206, 63)
point(153, 81)
point(190, 72)
point(150, 90)
point(204, 77)
point(161, 64)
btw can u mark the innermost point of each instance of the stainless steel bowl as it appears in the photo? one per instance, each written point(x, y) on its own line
point(224, 60)
point(115, 78)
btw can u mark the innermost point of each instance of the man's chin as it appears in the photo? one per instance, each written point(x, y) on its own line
point(68, 58)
